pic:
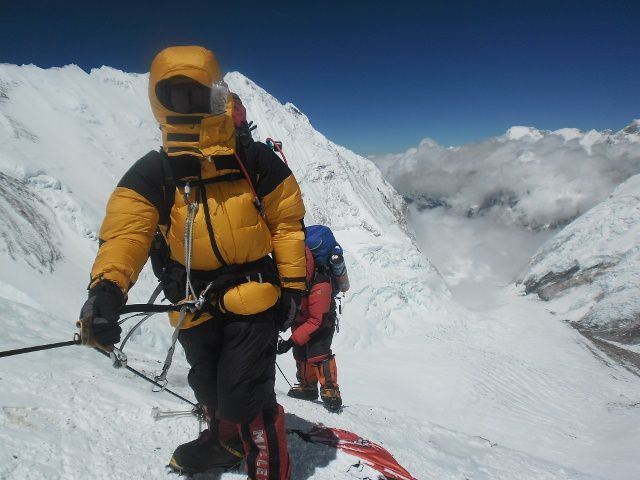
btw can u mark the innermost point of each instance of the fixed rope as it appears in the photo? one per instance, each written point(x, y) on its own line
point(48, 346)
point(284, 376)
point(144, 377)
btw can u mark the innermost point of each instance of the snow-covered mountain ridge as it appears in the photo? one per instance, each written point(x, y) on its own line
point(534, 178)
point(544, 180)
point(590, 270)
point(82, 131)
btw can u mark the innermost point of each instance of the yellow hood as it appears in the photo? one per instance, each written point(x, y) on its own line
point(195, 134)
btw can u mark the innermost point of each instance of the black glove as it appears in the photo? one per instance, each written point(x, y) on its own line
point(289, 307)
point(100, 313)
point(284, 346)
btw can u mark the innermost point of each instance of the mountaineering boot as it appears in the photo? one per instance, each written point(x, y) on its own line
point(304, 392)
point(307, 386)
point(202, 454)
point(327, 373)
point(331, 398)
point(218, 446)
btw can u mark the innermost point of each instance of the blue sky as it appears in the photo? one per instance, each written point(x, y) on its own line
point(376, 77)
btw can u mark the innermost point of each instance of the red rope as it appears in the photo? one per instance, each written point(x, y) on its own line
point(246, 175)
point(256, 200)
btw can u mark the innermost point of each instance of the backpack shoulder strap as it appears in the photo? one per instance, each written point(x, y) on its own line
point(320, 275)
point(168, 189)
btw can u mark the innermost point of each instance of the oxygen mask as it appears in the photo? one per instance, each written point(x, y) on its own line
point(181, 94)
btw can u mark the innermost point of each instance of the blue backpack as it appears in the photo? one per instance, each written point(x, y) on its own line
point(328, 255)
point(320, 240)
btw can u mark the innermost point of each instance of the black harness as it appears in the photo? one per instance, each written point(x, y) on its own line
point(172, 274)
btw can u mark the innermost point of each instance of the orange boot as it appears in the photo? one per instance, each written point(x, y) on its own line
point(307, 386)
point(327, 373)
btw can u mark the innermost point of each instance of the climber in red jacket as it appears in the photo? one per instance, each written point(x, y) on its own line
point(311, 336)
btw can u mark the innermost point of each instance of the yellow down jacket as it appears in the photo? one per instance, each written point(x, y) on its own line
point(228, 229)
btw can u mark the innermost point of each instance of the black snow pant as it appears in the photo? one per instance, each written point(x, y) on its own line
point(319, 345)
point(232, 360)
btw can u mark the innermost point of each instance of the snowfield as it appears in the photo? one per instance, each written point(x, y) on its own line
point(440, 358)
point(590, 271)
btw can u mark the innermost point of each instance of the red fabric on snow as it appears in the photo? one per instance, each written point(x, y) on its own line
point(370, 453)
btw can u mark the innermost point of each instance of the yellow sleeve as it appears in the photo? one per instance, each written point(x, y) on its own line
point(284, 212)
point(126, 233)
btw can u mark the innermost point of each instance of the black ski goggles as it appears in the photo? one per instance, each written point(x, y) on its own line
point(183, 95)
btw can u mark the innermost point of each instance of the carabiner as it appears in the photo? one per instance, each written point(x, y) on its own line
point(118, 358)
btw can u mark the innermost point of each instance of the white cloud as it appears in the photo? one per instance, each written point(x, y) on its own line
point(528, 177)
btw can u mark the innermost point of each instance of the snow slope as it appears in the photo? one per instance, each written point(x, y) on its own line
point(514, 372)
point(590, 270)
point(506, 392)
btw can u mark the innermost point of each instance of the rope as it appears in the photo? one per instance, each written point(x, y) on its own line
point(144, 377)
point(256, 199)
point(106, 354)
point(135, 327)
point(146, 308)
point(152, 299)
point(188, 239)
point(48, 346)
point(122, 320)
point(161, 380)
point(284, 376)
